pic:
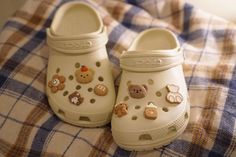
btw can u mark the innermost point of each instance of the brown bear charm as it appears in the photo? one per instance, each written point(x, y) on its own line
point(173, 95)
point(137, 91)
point(121, 109)
point(84, 75)
point(75, 98)
point(57, 83)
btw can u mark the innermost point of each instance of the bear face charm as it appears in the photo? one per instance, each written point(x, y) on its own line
point(100, 90)
point(84, 75)
point(75, 98)
point(137, 91)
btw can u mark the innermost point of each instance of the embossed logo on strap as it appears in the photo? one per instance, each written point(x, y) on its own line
point(78, 44)
point(147, 61)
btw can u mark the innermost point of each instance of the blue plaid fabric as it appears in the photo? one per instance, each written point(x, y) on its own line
point(29, 128)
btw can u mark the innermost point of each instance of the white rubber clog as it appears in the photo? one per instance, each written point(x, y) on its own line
point(80, 85)
point(151, 108)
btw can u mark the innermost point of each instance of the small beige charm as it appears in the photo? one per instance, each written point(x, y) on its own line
point(150, 111)
point(100, 90)
point(121, 109)
point(173, 95)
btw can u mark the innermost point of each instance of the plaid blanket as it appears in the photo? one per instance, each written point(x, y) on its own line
point(28, 126)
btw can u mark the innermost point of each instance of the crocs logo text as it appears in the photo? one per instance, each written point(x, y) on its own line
point(78, 44)
point(148, 61)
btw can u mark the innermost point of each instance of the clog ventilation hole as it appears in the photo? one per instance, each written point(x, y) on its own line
point(62, 113)
point(145, 137)
point(84, 118)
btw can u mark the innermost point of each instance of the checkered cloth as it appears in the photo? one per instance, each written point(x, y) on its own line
point(28, 126)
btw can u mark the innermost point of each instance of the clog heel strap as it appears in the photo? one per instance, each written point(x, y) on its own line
point(149, 61)
point(77, 45)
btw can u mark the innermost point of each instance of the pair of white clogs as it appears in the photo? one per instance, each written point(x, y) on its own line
point(151, 107)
